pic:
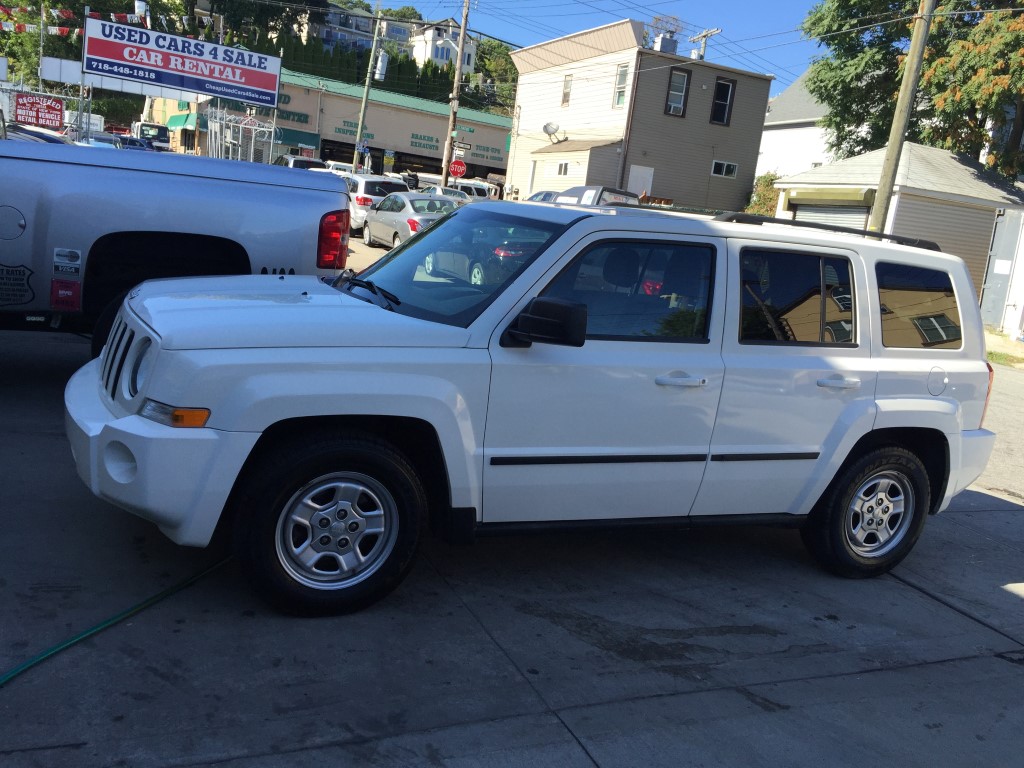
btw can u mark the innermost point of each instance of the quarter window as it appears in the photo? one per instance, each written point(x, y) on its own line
point(795, 298)
point(721, 108)
point(918, 307)
point(566, 90)
point(678, 87)
point(619, 99)
point(641, 291)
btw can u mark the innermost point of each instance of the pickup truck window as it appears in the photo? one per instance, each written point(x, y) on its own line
point(641, 291)
point(450, 272)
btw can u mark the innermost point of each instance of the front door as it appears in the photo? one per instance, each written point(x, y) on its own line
point(620, 427)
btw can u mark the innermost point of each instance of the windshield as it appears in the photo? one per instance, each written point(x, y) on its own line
point(432, 205)
point(450, 272)
point(158, 132)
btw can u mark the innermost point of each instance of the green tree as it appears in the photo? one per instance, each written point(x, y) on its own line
point(971, 92)
point(405, 13)
point(498, 75)
point(764, 199)
point(977, 88)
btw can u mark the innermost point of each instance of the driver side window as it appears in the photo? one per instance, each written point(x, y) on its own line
point(641, 291)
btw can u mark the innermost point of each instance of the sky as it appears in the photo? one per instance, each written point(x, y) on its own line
point(756, 36)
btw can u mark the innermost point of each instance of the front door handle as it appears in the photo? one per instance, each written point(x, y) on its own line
point(839, 383)
point(676, 380)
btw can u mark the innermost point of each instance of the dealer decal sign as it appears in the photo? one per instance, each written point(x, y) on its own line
point(143, 55)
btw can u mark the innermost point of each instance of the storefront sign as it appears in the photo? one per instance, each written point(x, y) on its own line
point(148, 56)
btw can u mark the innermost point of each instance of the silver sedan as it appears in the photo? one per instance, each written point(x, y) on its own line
point(401, 215)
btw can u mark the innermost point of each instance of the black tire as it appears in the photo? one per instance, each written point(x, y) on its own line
point(367, 238)
point(872, 514)
point(103, 324)
point(328, 525)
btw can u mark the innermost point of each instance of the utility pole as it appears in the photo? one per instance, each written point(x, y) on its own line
point(702, 38)
point(904, 105)
point(463, 31)
point(366, 90)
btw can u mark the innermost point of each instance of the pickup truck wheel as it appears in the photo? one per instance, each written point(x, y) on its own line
point(871, 516)
point(367, 240)
point(330, 525)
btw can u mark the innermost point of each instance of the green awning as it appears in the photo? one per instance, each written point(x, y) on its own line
point(185, 122)
point(293, 138)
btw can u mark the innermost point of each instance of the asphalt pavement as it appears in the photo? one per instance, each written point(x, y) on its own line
point(698, 648)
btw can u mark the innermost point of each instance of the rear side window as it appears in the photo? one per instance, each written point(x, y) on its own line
point(641, 291)
point(918, 307)
point(795, 298)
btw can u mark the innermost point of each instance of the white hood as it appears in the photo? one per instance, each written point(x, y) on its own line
point(252, 311)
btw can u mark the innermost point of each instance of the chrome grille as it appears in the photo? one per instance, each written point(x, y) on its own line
point(114, 354)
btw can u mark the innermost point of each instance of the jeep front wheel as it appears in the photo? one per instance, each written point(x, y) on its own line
point(329, 526)
point(872, 515)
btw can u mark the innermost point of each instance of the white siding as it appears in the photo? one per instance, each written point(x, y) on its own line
point(958, 228)
point(787, 151)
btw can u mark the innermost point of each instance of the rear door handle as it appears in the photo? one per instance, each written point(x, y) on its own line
point(671, 380)
point(839, 383)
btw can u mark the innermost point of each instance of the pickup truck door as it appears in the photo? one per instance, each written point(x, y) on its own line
point(620, 427)
point(799, 384)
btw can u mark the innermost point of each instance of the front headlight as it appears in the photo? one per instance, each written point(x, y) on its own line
point(141, 367)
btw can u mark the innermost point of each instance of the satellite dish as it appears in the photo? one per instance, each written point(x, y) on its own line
point(550, 128)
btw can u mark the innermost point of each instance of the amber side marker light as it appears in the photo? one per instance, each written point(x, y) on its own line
point(175, 417)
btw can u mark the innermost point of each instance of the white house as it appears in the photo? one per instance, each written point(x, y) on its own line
point(438, 41)
point(792, 140)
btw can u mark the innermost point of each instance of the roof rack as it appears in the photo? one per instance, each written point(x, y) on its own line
point(750, 218)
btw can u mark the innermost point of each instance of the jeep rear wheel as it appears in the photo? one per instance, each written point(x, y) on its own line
point(872, 515)
point(329, 526)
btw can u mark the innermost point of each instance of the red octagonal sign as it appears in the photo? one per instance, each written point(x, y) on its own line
point(457, 168)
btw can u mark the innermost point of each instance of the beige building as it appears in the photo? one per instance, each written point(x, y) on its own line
point(319, 118)
point(597, 107)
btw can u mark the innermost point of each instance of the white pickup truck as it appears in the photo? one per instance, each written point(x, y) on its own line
point(79, 227)
point(554, 366)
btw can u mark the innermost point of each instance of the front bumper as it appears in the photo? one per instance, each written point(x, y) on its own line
point(178, 478)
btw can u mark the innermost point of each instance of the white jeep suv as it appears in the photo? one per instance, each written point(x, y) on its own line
point(623, 365)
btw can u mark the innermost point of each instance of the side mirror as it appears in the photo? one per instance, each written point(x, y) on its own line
point(548, 321)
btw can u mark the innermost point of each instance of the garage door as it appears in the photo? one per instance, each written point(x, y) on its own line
point(855, 217)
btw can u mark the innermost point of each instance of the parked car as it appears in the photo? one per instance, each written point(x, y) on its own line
point(130, 142)
point(297, 161)
point(597, 195)
point(20, 132)
point(401, 215)
point(365, 191)
point(778, 374)
point(104, 140)
point(454, 194)
point(547, 196)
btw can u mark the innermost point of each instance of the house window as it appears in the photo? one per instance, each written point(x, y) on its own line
point(563, 169)
point(469, 60)
point(566, 90)
point(721, 108)
point(619, 99)
point(678, 87)
point(721, 168)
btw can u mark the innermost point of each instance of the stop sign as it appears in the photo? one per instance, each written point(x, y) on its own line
point(457, 168)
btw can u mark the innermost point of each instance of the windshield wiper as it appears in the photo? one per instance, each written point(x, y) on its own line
point(388, 300)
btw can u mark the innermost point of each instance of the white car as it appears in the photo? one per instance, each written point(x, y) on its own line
point(452, 194)
point(365, 191)
point(612, 365)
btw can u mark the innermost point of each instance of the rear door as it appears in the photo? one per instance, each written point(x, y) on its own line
point(799, 383)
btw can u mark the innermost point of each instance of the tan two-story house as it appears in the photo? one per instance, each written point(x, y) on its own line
point(597, 107)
